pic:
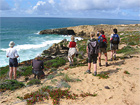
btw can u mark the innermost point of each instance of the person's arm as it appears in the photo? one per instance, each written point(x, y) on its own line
point(16, 54)
point(68, 45)
point(87, 50)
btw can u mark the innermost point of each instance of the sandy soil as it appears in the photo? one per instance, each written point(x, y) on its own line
point(124, 88)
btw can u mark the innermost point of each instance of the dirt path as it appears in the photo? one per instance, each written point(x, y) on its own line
point(124, 88)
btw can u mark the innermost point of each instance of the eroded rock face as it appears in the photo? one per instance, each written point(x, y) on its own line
point(61, 31)
point(84, 30)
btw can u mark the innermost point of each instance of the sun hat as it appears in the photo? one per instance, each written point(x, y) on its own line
point(11, 44)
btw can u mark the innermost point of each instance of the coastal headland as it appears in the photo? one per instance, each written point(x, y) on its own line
point(119, 83)
point(84, 30)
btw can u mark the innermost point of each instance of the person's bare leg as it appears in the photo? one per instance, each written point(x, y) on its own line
point(15, 71)
point(72, 58)
point(89, 66)
point(95, 67)
point(99, 58)
point(10, 72)
point(105, 57)
point(112, 52)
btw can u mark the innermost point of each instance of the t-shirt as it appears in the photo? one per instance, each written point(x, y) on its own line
point(12, 53)
point(37, 65)
point(72, 44)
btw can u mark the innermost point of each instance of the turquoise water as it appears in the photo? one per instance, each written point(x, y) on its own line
point(24, 32)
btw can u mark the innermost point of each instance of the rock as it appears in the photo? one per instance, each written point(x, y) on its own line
point(106, 87)
point(61, 31)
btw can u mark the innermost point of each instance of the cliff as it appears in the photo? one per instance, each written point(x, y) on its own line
point(84, 30)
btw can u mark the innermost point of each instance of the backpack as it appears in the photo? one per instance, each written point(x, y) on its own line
point(102, 42)
point(93, 47)
point(115, 39)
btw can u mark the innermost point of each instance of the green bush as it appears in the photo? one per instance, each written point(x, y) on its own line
point(3, 71)
point(80, 56)
point(55, 62)
point(11, 85)
point(25, 71)
point(127, 50)
point(33, 82)
point(50, 76)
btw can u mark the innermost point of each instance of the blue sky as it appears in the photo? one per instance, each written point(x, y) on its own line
point(112, 9)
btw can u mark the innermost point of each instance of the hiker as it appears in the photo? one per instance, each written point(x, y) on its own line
point(98, 33)
point(72, 50)
point(114, 42)
point(92, 53)
point(102, 47)
point(38, 68)
point(13, 63)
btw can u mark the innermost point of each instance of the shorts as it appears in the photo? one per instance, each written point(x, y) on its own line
point(13, 62)
point(92, 57)
point(113, 46)
point(102, 50)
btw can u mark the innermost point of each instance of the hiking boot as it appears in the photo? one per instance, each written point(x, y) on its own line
point(107, 64)
point(88, 71)
point(100, 64)
point(95, 73)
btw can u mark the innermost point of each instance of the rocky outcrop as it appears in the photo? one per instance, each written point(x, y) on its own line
point(61, 31)
point(84, 30)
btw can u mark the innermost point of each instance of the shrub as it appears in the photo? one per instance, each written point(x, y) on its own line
point(54, 94)
point(25, 71)
point(50, 76)
point(33, 82)
point(103, 75)
point(127, 50)
point(3, 71)
point(126, 72)
point(11, 85)
point(80, 56)
point(55, 62)
point(67, 78)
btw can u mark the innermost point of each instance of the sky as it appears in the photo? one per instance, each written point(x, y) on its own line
point(110, 9)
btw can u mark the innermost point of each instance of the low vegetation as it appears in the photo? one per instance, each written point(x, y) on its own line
point(47, 93)
point(55, 62)
point(103, 75)
point(10, 85)
point(34, 82)
point(126, 72)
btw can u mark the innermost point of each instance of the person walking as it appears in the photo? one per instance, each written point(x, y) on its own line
point(102, 47)
point(38, 67)
point(72, 50)
point(92, 53)
point(115, 40)
point(13, 63)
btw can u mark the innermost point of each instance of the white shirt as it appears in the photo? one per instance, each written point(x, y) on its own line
point(12, 53)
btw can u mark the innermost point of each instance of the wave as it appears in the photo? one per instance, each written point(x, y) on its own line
point(32, 46)
point(37, 33)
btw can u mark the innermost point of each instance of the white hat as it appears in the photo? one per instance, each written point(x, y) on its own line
point(11, 44)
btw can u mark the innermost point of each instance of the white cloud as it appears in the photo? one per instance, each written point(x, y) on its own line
point(4, 5)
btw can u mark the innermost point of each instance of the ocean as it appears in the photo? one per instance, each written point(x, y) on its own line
point(24, 31)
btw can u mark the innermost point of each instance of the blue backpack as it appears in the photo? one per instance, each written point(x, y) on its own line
point(115, 39)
